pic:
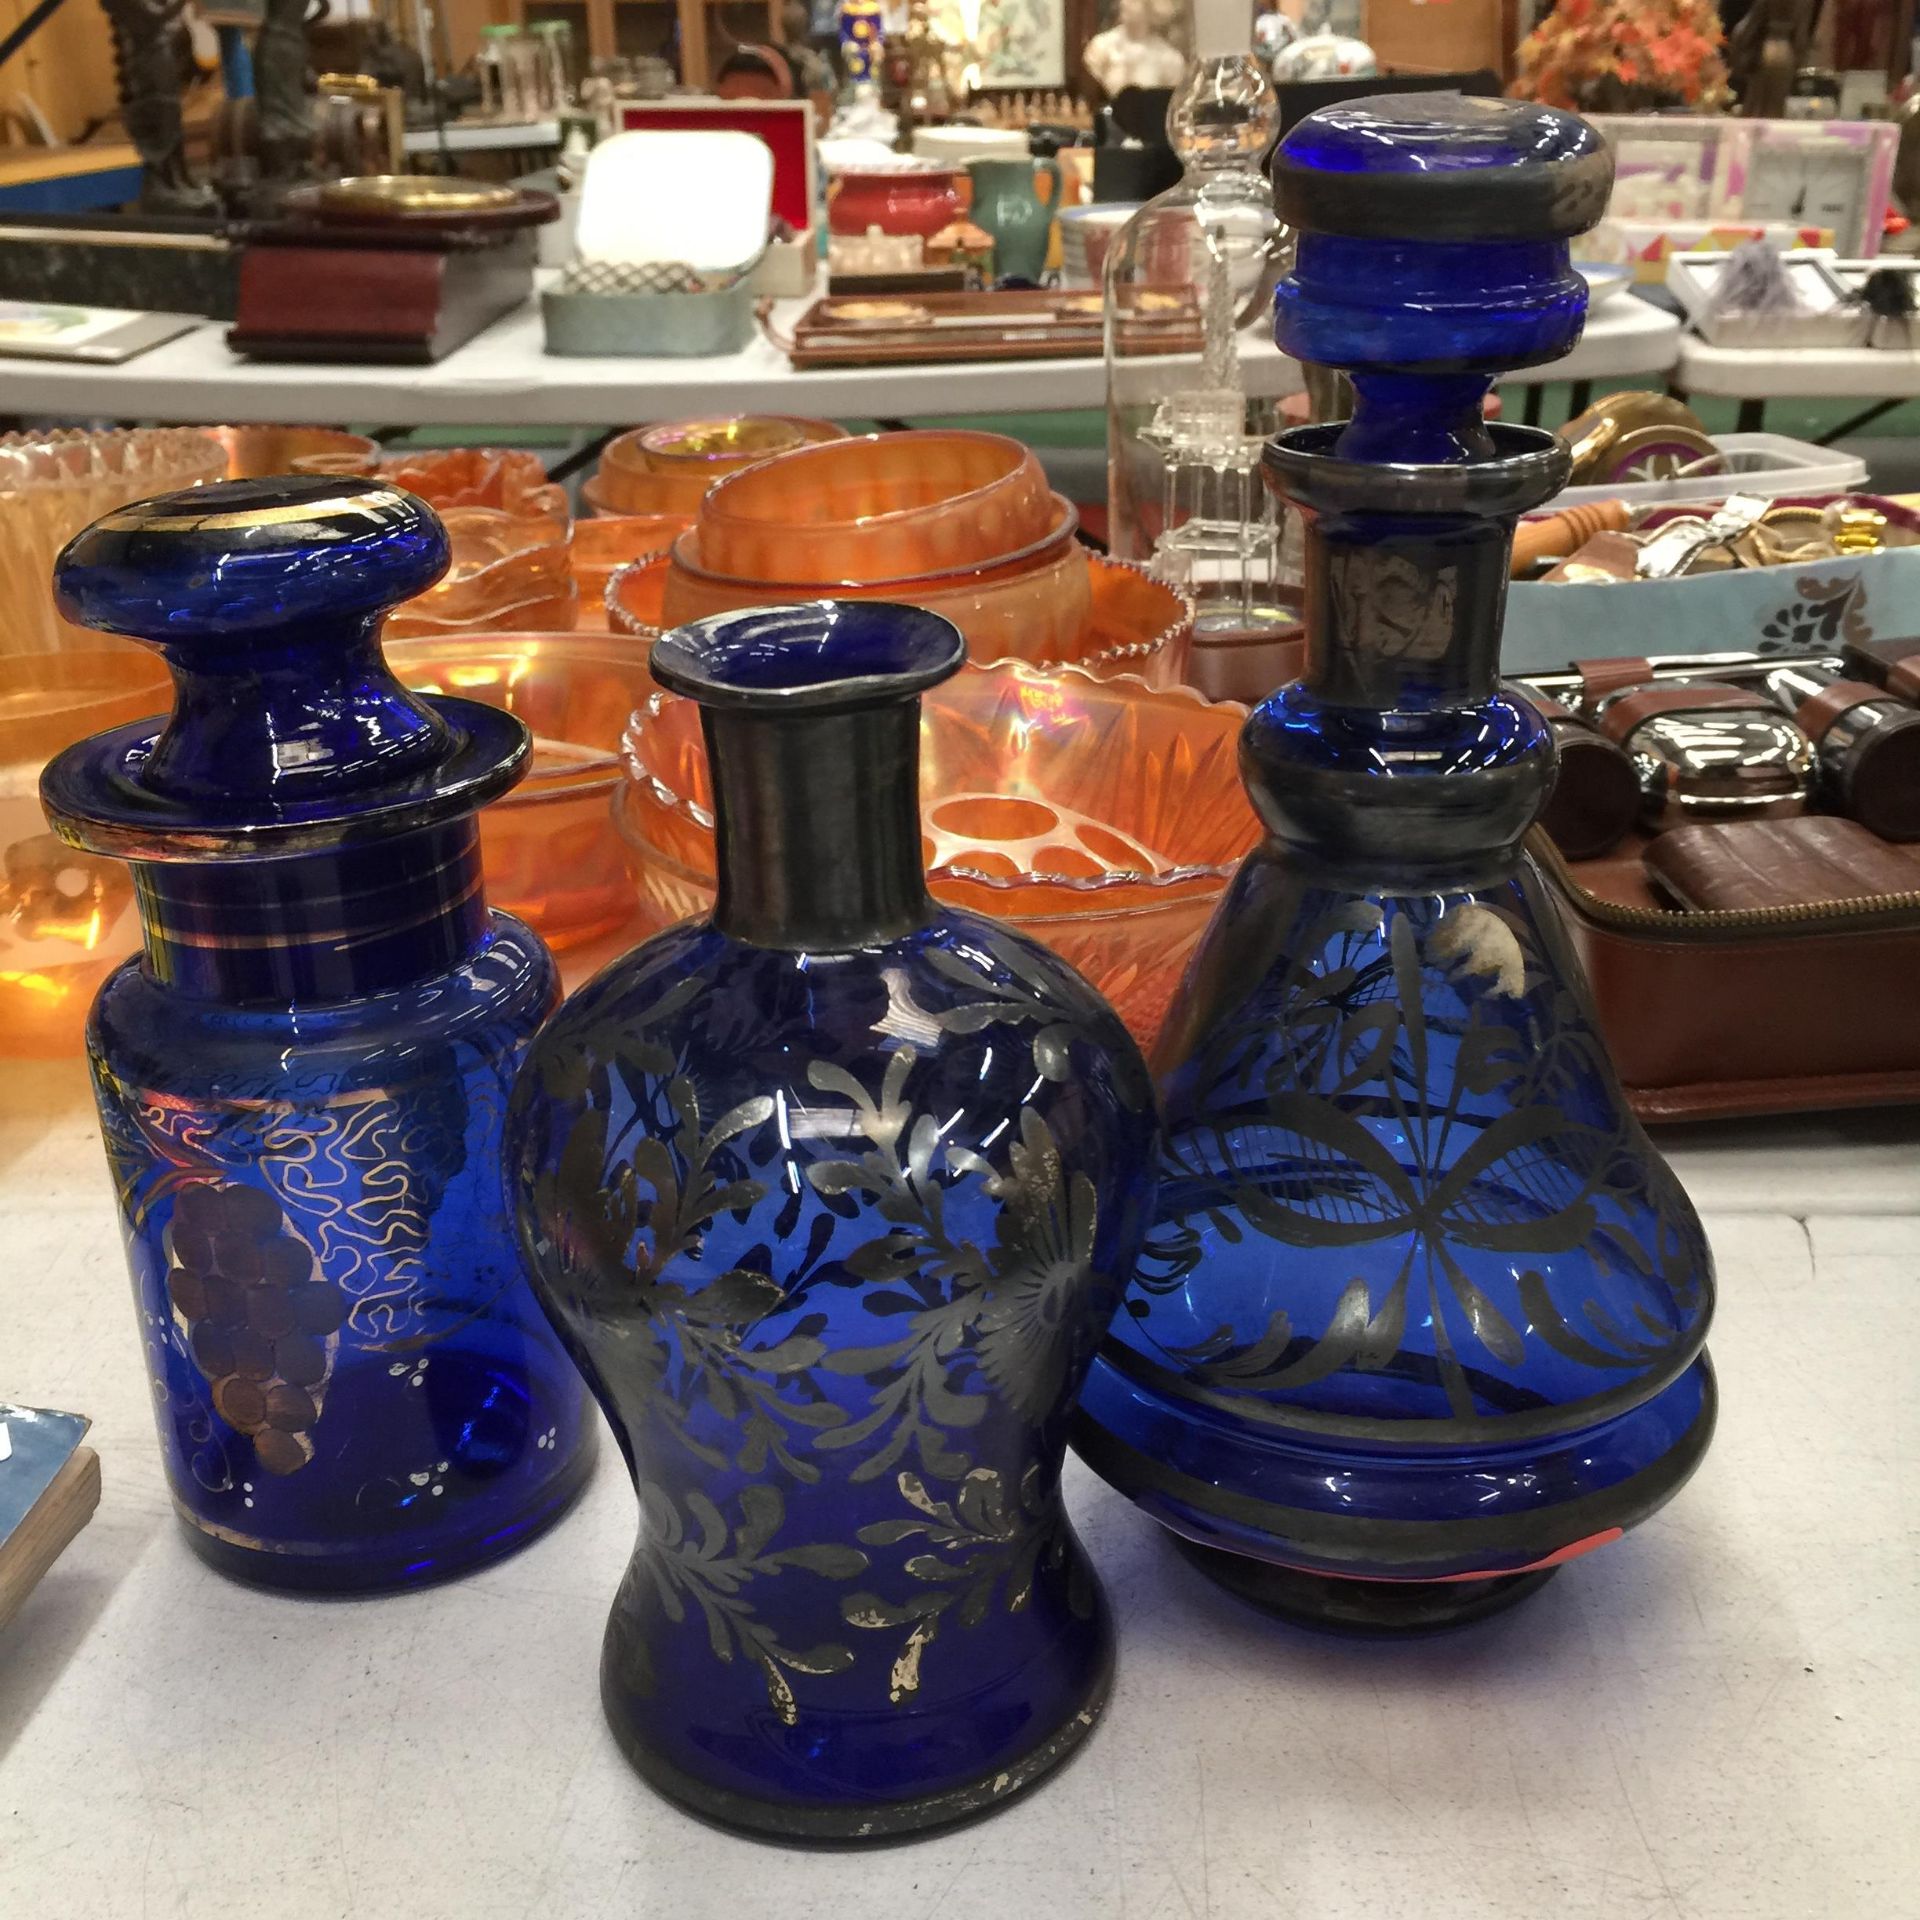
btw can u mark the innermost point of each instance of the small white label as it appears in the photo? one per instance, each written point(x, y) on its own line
point(6, 1441)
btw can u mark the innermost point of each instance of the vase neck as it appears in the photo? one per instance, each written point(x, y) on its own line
point(817, 825)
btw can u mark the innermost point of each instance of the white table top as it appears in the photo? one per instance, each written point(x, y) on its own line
point(1624, 335)
point(503, 377)
point(1712, 1720)
point(1770, 373)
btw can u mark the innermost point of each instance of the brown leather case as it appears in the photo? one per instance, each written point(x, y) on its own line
point(1794, 1006)
point(1747, 865)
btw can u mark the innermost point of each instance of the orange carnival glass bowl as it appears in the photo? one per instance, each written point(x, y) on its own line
point(1102, 816)
point(602, 546)
point(256, 452)
point(53, 484)
point(550, 847)
point(509, 479)
point(67, 918)
point(1132, 623)
point(1031, 604)
point(888, 506)
point(668, 467)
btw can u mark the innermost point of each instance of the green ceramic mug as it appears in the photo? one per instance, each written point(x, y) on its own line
point(1007, 205)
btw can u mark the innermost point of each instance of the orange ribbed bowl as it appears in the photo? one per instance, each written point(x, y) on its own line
point(552, 852)
point(1133, 623)
point(601, 547)
point(67, 918)
point(256, 452)
point(53, 484)
point(1101, 816)
point(506, 478)
point(888, 506)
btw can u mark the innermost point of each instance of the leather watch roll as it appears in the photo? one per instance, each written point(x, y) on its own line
point(1866, 741)
point(1893, 664)
point(1596, 794)
point(1703, 750)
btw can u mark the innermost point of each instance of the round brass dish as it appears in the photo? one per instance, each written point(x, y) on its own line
point(385, 195)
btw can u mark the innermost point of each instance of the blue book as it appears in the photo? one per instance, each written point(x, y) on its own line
point(49, 1487)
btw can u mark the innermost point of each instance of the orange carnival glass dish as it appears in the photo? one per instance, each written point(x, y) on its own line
point(67, 918)
point(888, 506)
point(509, 479)
point(602, 546)
point(255, 452)
point(510, 571)
point(668, 467)
point(1101, 816)
point(551, 850)
point(1132, 623)
point(53, 484)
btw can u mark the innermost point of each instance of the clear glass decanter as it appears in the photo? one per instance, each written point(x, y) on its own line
point(1183, 437)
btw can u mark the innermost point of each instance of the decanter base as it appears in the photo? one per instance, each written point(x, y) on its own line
point(401, 1564)
point(1367, 1609)
point(861, 1824)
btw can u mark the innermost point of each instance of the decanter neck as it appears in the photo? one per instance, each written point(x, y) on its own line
point(316, 928)
point(1404, 613)
point(1224, 117)
point(817, 825)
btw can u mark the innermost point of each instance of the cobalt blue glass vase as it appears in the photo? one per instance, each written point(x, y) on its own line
point(1422, 1312)
point(302, 1080)
point(832, 1197)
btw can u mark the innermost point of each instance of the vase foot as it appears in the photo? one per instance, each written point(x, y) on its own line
point(860, 1823)
point(1370, 1609)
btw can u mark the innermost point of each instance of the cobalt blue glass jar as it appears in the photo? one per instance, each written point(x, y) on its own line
point(302, 1080)
point(832, 1197)
point(1422, 1312)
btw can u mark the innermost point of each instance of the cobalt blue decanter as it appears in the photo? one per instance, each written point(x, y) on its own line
point(832, 1197)
point(302, 1080)
point(1422, 1312)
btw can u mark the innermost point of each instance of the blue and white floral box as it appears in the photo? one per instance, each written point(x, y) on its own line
point(1814, 607)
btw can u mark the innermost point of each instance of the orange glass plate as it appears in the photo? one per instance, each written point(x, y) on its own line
point(1102, 816)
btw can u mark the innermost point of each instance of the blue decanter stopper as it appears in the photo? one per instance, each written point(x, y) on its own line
point(1433, 254)
point(1422, 1313)
point(302, 1079)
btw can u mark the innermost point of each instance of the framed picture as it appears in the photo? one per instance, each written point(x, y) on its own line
point(1021, 43)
